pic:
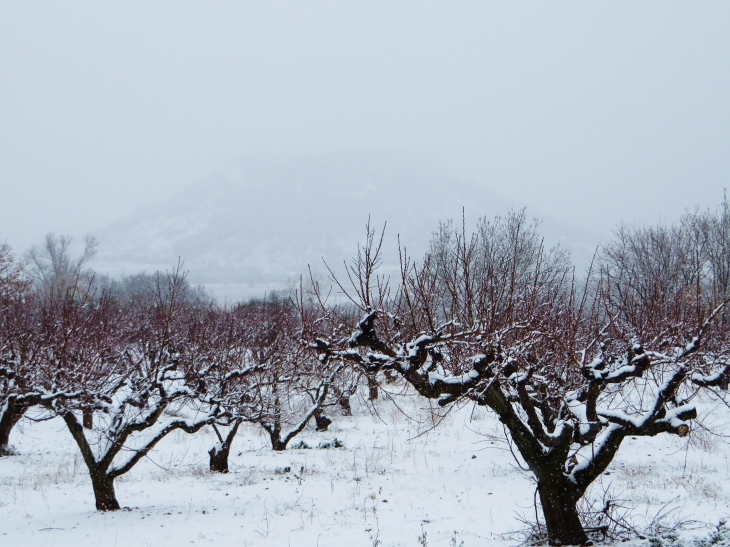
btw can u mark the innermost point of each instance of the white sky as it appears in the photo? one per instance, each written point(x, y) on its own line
point(595, 112)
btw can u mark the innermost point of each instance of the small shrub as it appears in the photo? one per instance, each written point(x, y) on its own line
point(301, 445)
point(334, 443)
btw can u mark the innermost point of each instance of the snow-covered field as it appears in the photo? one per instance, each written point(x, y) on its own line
point(397, 481)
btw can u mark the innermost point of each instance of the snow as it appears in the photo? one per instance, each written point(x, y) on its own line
point(395, 478)
point(460, 380)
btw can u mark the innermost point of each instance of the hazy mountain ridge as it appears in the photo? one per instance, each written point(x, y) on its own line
point(264, 223)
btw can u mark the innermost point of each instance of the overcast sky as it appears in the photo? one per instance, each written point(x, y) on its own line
point(594, 112)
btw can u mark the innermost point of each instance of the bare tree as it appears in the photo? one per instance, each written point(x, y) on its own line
point(269, 378)
point(11, 273)
point(41, 341)
point(570, 370)
point(294, 387)
point(712, 230)
point(229, 383)
point(162, 360)
point(17, 347)
point(53, 267)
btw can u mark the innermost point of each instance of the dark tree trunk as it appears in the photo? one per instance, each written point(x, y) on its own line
point(323, 422)
point(106, 499)
point(277, 444)
point(219, 457)
point(558, 499)
point(103, 484)
point(219, 453)
point(12, 415)
point(372, 387)
point(558, 494)
point(275, 435)
point(344, 403)
point(88, 418)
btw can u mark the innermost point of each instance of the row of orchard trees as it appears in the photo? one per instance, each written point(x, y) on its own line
point(571, 365)
point(125, 363)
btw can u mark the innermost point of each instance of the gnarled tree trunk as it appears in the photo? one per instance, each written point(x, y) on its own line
point(220, 452)
point(101, 482)
point(322, 421)
point(559, 495)
point(344, 403)
point(104, 494)
point(558, 499)
point(88, 419)
point(277, 444)
point(219, 458)
point(372, 387)
point(10, 414)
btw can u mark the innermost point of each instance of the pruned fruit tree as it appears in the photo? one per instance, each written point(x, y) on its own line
point(570, 365)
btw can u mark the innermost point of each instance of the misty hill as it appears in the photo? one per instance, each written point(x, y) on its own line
point(263, 223)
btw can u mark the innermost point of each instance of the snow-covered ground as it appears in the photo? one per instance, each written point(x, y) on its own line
point(397, 481)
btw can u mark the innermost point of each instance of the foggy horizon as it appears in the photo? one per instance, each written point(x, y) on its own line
point(587, 115)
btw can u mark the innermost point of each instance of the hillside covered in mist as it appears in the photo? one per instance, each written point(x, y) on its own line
point(261, 225)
